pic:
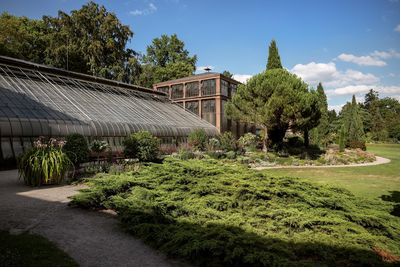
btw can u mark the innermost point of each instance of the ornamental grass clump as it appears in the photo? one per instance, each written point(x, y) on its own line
point(44, 163)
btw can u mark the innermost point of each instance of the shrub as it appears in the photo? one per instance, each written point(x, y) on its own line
point(228, 141)
point(76, 148)
point(248, 141)
point(45, 163)
point(213, 144)
point(357, 144)
point(185, 154)
point(222, 214)
point(198, 139)
point(295, 141)
point(230, 155)
point(98, 147)
point(142, 145)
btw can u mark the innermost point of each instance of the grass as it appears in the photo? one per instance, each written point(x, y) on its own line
point(224, 214)
point(371, 182)
point(31, 250)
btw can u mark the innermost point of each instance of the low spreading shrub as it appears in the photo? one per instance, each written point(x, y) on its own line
point(44, 163)
point(76, 148)
point(223, 214)
point(143, 146)
point(198, 139)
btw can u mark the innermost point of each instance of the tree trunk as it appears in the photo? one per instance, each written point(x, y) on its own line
point(265, 141)
point(306, 138)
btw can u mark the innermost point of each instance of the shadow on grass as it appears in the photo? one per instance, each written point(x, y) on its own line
point(395, 198)
point(224, 245)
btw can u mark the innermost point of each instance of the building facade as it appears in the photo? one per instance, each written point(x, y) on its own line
point(37, 100)
point(206, 95)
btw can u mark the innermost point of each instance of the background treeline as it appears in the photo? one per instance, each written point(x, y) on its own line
point(92, 40)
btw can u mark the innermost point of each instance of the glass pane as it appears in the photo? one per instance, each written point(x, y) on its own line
point(192, 106)
point(224, 88)
point(6, 148)
point(192, 89)
point(208, 111)
point(164, 89)
point(176, 91)
point(208, 87)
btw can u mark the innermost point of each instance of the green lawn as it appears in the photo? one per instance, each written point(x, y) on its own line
point(369, 182)
point(31, 250)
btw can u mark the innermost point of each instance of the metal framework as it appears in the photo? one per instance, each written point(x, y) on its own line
point(36, 100)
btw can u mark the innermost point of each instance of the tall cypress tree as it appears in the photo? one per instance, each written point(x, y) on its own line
point(319, 134)
point(355, 123)
point(274, 60)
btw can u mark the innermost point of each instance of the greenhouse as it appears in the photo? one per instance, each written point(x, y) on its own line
point(36, 100)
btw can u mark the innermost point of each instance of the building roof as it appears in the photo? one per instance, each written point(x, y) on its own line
point(195, 77)
point(38, 100)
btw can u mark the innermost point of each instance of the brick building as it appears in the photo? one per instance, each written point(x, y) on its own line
point(206, 95)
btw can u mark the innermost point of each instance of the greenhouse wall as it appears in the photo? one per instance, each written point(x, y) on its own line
point(37, 100)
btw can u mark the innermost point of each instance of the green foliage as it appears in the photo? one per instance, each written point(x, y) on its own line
point(45, 163)
point(227, 74)
point(217, 214)
point(166, 59)
point(228, 141)
point(274, 60)
point(342, 139)
point(76, 148)
point(142, 145)
point(213, 144)
point(274, 100)
point(98, 146)
point(31, 250)
point(88, 40)
point(248, 141)
point(198, 139)
point(320, 134)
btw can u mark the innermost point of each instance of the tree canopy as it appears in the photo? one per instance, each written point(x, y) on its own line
point(274, 99)
point(227, 74)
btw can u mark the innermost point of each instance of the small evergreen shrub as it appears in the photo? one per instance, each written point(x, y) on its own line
point(76, 148)
point(228, 142)
point(44, 163)
point(248, 142)
point(213, 144)
point(230, 155)
point(357, 144)
point(142, 145)
point(198, 139)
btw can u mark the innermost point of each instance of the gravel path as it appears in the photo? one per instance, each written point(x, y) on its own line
point(378, 161)
point(91, 238)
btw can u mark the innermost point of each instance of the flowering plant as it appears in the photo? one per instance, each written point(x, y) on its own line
point(44, 163)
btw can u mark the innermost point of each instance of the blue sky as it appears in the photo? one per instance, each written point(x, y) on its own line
point(350, 46)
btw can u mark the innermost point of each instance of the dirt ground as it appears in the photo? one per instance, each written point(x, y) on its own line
point(91, 238)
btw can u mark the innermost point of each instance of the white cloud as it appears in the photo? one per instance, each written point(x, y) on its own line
point(351, 77)
point(315, 72)
point(242, 77)
point(397, 29)
point(362, 60)
point(327, 73)
point(361, 89)
point(386, 54)
point(337, 108)
point(143, 12)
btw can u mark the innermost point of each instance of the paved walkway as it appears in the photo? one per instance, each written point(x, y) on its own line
point(378, 161)
point(91, 238)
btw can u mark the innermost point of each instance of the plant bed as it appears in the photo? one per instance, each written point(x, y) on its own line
point(223, 214)
point(331, 157)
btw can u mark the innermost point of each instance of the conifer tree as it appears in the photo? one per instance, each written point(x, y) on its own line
point(355, 128)
point(319, 134)
point(274, 60)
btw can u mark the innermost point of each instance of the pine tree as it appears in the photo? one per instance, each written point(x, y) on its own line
point(274, 60)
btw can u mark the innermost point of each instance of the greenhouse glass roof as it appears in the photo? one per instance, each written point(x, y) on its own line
point(37, 100)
